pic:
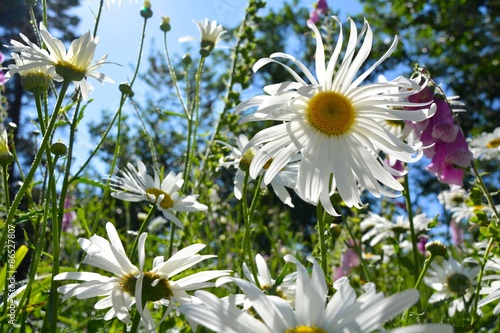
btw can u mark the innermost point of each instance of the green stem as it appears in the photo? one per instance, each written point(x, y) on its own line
point(113, 165)
point(427, 264)
point(171, 71)
point(98, 17)
point(141, 45)
point(486, 192)
point(193, 126)
point(104, 137)
point(414, 241)
point(6, 185)
point(359, 252)
point(321, 235)
point(29, 177)
point(171, 245)
point(56, 240)
point(232, 72)
point(143, 226)
point(247, 245)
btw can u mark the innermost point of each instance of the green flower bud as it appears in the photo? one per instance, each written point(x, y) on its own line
point(126, 89)
point(58, 148)
point(186, 60)
point(165, 24)
point(146, 11)
point(436, 248)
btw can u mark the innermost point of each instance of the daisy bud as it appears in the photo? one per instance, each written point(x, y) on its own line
point(436, 248)
point(58, 148)
point(186, 60)
point(165, 24)
point(6, 156)
point(146, 11)
point(126, 89)
point(245, 161)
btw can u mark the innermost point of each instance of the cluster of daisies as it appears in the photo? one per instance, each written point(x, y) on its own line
point(331, 135)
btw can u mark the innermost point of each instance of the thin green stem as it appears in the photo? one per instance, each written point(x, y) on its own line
point(104, 137)
point(171, 71)
point(171, 244)
point(69, 160)
point(321, 235)
point(41, 117)
point(414, 241)
point(427, 264)
point(192, 127)
point(485, 192)
point(141, 45)
point(56, 240)
point(230, 83)
point(143, 226)
point(29, 177)
point(247, 245)
point(113, 165)
point(359, 252)
point(98, 17)
point(5, 177)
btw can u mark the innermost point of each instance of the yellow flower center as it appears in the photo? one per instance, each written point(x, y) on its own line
point(154, 287)
point(305, 329)
point(167, 201)
point(493, 143)
point(331, 113)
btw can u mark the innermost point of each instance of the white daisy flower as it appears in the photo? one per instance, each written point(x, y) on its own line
point(486, 146)
point(381, 228)
point(74, 65)
point(137, 185)
point(210, 35)
point(464, 212)
point(111, 257)
point(285, 178)
point(313, 313)
point(332, 122)
point(450, 279)
point(492, 291)
point(454, 197)
point(132, 285)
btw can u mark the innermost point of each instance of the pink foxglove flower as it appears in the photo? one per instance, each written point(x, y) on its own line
point(447, 147)
point(320, 8)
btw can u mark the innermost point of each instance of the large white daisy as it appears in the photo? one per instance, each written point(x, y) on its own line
point(449, 279)
point(287, 177)
point(111, 257)
point(137, 185)
point(332, 121)
point(313, 312)
point(74, 65)
point(131, 284)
